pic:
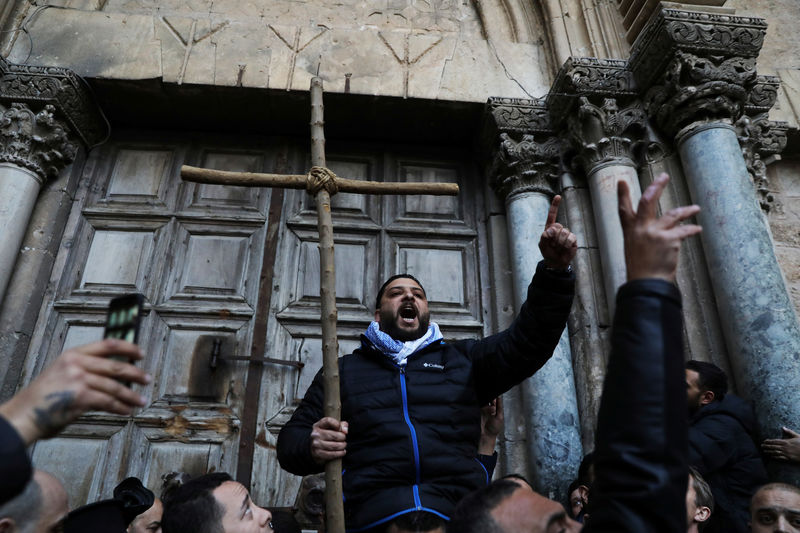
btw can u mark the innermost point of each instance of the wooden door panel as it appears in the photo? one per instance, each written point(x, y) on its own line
point(155, 452)
point(84, 458)
point(219, 200)
point(211, 264)
point(140, 175)
point(111, 257)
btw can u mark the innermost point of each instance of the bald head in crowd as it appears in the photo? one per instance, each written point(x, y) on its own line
point(775, 508)
point(40, 508)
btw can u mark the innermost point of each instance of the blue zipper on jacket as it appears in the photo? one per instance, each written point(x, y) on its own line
point(413, 431)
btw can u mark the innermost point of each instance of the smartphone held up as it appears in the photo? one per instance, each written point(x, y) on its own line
point(124, 317)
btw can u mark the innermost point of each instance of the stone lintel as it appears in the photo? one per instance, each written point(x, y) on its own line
point(69, 96)
point(699, 33)
point(521, 149)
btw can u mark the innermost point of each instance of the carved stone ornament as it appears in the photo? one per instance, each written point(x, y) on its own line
point(517, 115)
point(763, 95)
point(695, 88)
point(607, 134)
point(591, 77)
point(36, 141)
point(526, 165)
point(695, 32)
point(762, 140)
point(59, 87)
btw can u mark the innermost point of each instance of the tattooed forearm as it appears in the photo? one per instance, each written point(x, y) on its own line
point(56, 414)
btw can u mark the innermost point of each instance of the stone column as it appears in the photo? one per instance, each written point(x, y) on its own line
point(595, 100)
point(524, 174)
point(47, 116)
point(709, 74)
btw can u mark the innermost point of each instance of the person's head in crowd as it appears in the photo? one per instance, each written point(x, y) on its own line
point(507, 507)
point(775, 507)
point(142, 510)
point(213, 503)
point(578, 491)
point(578, 495)
point(705, 383)
point(416, 522)
point(401, 308)
point(699, 502)
point(40, 508)
point(149, 521)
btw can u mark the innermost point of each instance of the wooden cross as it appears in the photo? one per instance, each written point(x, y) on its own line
point(322, 183)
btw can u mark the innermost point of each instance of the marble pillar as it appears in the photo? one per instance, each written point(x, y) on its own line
point(524, 169)
point(19, 188)
point(550, 406)
point(758, 319)
point(603, 187)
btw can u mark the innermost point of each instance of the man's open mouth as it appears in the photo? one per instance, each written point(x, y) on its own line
point(408, 314)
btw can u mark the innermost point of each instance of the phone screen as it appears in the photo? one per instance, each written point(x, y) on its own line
point(124, 316)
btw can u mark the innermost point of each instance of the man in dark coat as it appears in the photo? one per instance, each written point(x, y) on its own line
point(722, 445)
point(411, 402)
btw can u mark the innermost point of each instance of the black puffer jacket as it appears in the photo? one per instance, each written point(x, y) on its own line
point(413, 435)
point(722, 447)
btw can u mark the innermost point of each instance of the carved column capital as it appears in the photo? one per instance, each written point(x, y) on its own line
point(521, 151)
point(36, 141)
point(45, 112)
point(761, 140)
point(697, 66)
point(596, 100)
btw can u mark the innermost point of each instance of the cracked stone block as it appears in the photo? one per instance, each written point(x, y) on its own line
point(127, 47)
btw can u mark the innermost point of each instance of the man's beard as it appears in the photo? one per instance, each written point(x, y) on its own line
point(388, 324)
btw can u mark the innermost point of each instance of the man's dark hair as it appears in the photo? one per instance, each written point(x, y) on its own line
point(388, 281)
point(520, 477)
point(473, 514)
point(417, 521)
point(710, 378)
point(192, 508)
point(702, 492)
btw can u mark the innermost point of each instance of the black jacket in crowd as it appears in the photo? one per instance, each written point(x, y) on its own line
point(414, 429)
point(641, 449)
point(722, 447)
point(15, 467)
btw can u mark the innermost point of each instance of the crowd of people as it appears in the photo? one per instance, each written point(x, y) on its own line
point(675, 451)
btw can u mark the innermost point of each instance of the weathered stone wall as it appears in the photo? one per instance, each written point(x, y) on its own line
point(447, 49)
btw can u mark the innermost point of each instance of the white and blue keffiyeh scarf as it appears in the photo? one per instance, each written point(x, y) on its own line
point(398, 350)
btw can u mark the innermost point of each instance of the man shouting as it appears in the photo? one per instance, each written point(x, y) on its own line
point(411, 402)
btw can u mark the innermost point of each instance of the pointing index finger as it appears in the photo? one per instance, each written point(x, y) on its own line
point(551, 215)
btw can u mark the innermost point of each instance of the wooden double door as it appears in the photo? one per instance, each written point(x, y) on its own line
point(240, 266)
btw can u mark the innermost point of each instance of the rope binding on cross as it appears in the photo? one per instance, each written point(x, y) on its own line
point(321, 178)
